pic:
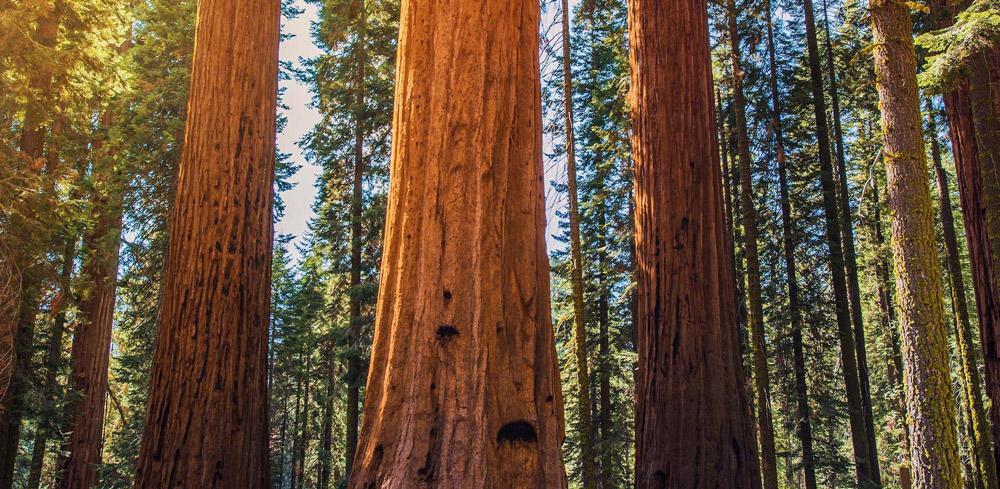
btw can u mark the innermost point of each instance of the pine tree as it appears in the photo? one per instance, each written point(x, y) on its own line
point(934, 447)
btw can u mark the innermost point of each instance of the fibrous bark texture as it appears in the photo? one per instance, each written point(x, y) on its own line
point(930, 410)
point(463, 389)
point(694, 426)
point(206, 425)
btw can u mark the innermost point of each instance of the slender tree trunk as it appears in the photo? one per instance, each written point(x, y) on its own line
point(694, 427)
point(855, 403)
point(293, 465)
point(585, 428)
point(206, 424)
point(979, 433)
point(463, 390)
point(758, 347)
point(930, 410)
point(15, 375)
point(53, 357)
point(890, 336)
point(91, 350)
point(357, 236)
point(300, 468)
point(326, 450)
point(727, 191)
point(803, 427)
point(851, 257)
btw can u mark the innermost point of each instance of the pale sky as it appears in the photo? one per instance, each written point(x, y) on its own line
point(302, 117)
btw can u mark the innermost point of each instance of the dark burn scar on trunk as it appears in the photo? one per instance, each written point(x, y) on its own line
point(516, 431)
point(446, 332)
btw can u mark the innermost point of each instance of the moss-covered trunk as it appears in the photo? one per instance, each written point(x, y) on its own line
point(930, 410)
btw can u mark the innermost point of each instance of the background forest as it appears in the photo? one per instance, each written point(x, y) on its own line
point(97, 90)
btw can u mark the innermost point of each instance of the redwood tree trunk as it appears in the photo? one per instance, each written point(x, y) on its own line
point(977, 200)
point(463, 389)
point(930, 409)
point(91, 350)
point(694, 427)
point(206, 424)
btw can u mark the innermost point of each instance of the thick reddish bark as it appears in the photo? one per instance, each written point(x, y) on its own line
point(977, 199)
point(463, 389)
point(206, 425)
point(694, 427)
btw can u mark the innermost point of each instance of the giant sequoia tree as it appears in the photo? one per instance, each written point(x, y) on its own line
point(463, 389)
point(694, 427)
point(206, 425)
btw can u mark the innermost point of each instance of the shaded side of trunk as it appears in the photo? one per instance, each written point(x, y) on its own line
point(758, 346)
point(465, 269)
point(929, 405)
point(585, 426)
point(690, 431)
point(851, 256)
point(803, 428)
point(845, 331)
point(206, 422)
point(979, 427)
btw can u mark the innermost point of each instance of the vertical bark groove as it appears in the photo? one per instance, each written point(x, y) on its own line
point(927, 382)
